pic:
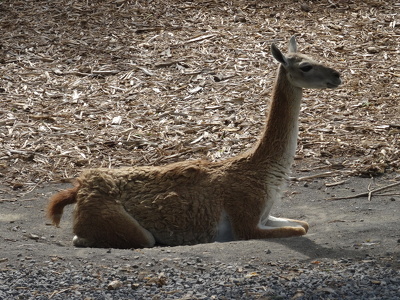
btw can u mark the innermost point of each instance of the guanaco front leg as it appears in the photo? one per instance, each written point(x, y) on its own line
point(107, 224)
point(284, 222)
point(252, 228)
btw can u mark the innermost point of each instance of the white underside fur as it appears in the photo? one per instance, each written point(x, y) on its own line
point(225, 232)
point(80, 242)
point(273, 222)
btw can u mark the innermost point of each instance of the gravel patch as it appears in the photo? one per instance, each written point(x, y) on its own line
point(193, 278)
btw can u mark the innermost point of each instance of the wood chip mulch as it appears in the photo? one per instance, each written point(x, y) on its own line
point(115, 83)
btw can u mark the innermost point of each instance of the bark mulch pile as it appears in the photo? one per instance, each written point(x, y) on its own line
point(115, 83)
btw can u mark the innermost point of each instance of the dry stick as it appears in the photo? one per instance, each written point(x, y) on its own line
point(15, 200)
point(144, 70)
point(168, 63)
point(199, 38)
point(366, 194)
point(335, 183)
point(388, 194)
point(58, 292)
point(320, 175)
point(369, 190)
point(382, 188)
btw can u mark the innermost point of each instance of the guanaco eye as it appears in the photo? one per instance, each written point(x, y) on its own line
point(306, 68)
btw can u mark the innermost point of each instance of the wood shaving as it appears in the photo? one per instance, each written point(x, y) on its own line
point(114, 83)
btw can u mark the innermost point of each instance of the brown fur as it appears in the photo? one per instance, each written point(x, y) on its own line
point(59, 201)
point(187, 202)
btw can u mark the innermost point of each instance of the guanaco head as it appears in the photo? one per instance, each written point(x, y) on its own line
point(304, 72)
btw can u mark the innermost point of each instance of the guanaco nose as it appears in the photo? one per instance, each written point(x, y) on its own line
point(336, 74)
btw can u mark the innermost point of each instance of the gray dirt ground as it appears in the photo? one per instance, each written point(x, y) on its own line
point(355, 229)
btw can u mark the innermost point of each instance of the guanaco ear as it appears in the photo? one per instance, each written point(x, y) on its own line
point(277, 54)
point(292, 45)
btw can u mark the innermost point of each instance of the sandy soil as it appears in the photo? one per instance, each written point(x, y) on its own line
point(356, 229)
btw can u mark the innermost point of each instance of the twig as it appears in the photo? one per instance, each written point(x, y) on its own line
point(15, 200)
point(105, 72)
point(369, 191)
point(388, 194)
point(129, 74)
point(335, 183)
point(58, 292)
point(366, 194)
point(320, 175)
point(382, 188)
point(199, 38)
point(168, 63)
point(144, 70)
point(349, 197)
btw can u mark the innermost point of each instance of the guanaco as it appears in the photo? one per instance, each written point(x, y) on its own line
point(192, 202)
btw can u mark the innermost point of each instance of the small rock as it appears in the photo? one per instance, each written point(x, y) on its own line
point(325, 290)
point(33, 236)
point(251, 275)
point(241, 19)
point(17, 186)
point(113, 285)
point(135, 286)
point(304, 7)
point(159, 281)
point(116, 120)
point(372, 50)
point(195, 90)
point(59, 243)
point(299, 294)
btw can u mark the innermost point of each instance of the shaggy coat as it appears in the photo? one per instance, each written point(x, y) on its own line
point(194, 202)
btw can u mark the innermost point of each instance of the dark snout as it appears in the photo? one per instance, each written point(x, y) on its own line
point(335, 80)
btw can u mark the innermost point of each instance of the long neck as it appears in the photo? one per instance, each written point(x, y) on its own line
point(279, 139)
